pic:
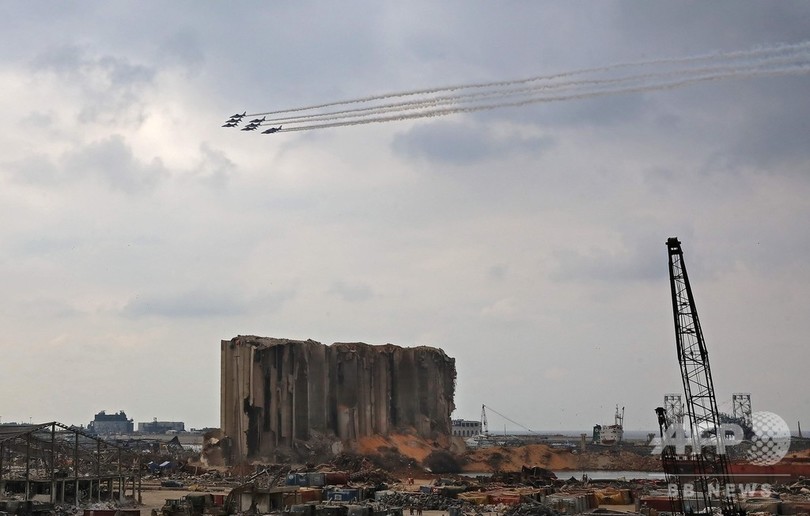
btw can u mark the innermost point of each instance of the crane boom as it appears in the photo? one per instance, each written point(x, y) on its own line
point(484, 424)
point(708, 461)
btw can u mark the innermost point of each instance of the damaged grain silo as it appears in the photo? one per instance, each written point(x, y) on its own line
point(277, 394)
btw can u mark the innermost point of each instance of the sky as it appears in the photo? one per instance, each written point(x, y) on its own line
point(528, 242)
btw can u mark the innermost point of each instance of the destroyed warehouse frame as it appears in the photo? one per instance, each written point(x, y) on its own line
point(62, 464)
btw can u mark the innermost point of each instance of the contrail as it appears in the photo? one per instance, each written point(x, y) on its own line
point(533, 90)
point(797, 70)
point(740, 54)
point(651, 75)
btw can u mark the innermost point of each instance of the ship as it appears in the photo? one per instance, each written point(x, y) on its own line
point(743, 471)
point(786, 470)
point(609, 435)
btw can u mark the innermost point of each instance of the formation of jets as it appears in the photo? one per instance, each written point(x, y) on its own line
point(254, 124)
point(234, 120)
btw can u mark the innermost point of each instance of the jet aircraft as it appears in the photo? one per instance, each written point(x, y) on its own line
point(272, 130)
point(238, 116)
point(230, 123)
point(258, 120)
point(250, 127)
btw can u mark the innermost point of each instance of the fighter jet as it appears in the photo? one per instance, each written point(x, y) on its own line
point(230, 123)
point(238, 116)
point(272, 130)
point(250, 127)
point(258, 120)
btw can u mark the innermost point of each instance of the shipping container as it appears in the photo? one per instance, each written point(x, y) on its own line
point(331, 510)
point(307, 509)
point(315, 479)
point(342, 495)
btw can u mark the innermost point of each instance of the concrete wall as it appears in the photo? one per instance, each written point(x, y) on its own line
point(277, 392)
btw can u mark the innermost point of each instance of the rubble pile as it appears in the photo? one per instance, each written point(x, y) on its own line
point(360, 469)
point(530, 509)
point(427, 502)
point(800, 487)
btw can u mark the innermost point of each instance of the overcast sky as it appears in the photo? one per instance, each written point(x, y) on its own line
point(527, 242)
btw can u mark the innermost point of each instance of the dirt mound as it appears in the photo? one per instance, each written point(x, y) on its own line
point(499, 458)
point(409, 446)
point(409, 452)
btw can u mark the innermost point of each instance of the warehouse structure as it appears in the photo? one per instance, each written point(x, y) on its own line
point(61, 464)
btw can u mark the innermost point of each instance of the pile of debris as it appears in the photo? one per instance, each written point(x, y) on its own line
point(427, 502)
point(360, 469)
point(530, 509)
point(801, 486)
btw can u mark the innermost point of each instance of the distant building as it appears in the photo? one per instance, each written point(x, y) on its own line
point(161, 427)
point(466, 428)
point(105, 423)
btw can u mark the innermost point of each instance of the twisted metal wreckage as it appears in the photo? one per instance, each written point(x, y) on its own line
point(59, 464)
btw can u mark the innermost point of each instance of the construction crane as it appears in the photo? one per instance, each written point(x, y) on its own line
point(707, 463)
point(484, 424)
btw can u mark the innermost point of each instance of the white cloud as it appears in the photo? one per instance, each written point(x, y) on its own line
point(527, 242)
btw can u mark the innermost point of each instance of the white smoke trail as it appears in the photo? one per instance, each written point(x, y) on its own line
point(703, 73)
point(512, 92)
point(794, 70)
point(721, 56)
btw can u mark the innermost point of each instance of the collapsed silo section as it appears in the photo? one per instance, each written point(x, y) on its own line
point(279, 393)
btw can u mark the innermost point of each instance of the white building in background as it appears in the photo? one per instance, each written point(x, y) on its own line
point(161, 427)
point(104, 423)
point(465, 428)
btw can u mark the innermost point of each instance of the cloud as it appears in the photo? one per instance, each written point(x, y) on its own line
point(214, 167)
point(47, 308)
point(112, 162)
point(188, 304)
point(352, 292)
point(37, 120)
point(555, 373)
point(461, 143)
point(35, 169)
point(205, 303)
point(640, 262)
point(540, 229)
point(107, 88)
point(498, 272)
point(503, 309)
point(183, 48)
point(665, 25)
point(775, 135)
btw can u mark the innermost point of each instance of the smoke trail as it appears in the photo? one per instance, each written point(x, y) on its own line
point(724, 71)
point(795, 70)
point(727, 56)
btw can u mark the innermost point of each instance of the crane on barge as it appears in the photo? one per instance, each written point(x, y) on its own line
point(707, 464)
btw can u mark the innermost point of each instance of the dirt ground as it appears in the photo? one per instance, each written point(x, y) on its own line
point(513, 458)
point(154, 498)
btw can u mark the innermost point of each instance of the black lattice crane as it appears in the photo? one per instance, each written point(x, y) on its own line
point(669, 460)
point(708, 461)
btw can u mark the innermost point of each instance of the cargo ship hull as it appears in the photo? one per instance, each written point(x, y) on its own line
point(779, 473)
point(744, 472)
